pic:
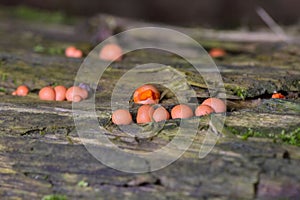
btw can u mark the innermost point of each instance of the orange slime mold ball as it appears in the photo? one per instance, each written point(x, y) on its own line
point(146, 94)
point(74, 91)
point(217, 52)
point(47, 93)
point(111, 52)
point(121, 117)
point(22, 90)
point(278, 96)
point(203, 110)
point(60, 93)
point(72, 52)
point(161, 114)
point(181, 111)
point(144, 114)
point(216, 104)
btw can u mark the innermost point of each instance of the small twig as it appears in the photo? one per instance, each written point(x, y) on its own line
point(272, 24)
point(209, 34)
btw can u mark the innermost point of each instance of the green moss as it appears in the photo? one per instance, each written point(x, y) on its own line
point(69, 139)
point(252, 133)
point(39, 49)
point(291, 137)
point(42, 132)
point(3, 76)
point(232, 130)
point(2, 89)
point(50, 50)
point(82, 183)
point(41, 15)
point(241, 92)
point(54, 197)
point(55, 51)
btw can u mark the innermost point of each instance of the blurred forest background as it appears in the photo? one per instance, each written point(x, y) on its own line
point(225, 14)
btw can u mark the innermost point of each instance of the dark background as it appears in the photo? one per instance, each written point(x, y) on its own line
point(207, 13)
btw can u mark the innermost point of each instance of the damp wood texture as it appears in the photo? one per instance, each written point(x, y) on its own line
point(41, 154)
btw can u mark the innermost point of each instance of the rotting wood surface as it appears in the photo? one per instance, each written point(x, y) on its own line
point(41, 153)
